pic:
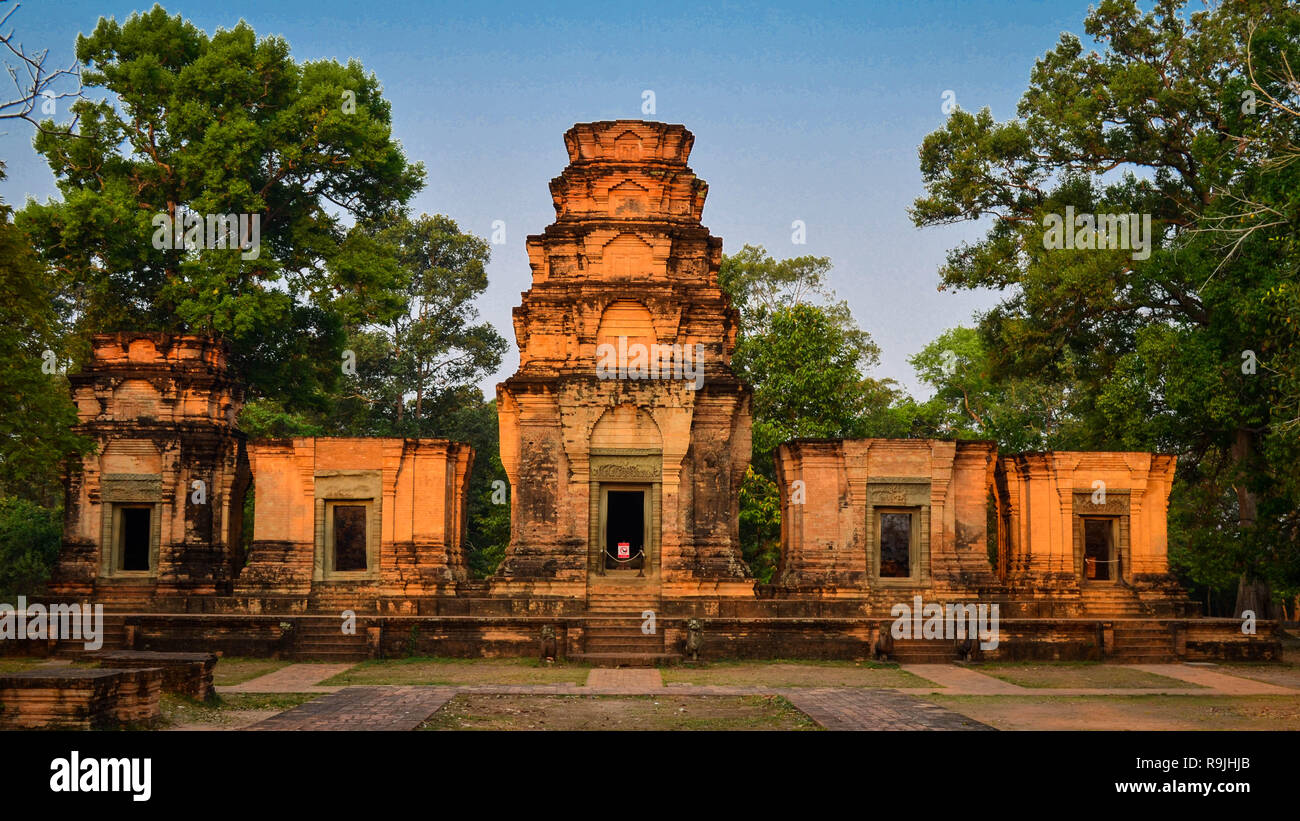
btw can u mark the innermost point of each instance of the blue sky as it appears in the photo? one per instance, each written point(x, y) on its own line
point(804, 111)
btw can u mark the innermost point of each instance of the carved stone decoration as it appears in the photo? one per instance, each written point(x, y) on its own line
point(549, 651)
point(694, 639)
point(627, 472)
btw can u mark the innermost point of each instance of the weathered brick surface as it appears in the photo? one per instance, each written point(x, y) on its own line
point(363, 708)
point(161, 409)
point(627, 258)
point(81, 699)
point(420, 516)
point(189, 674)
point(860, 709)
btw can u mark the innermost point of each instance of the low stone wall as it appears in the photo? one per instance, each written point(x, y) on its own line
point(255, 636)
point(188, 674)
point(830, 637)
point(80, 699)
point(1222, 640)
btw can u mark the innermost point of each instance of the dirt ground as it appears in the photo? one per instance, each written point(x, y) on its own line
point(1285, 676)
point(796, 674)
point(1129, 712)
point(1078, 674)
point(460, 671)
point(503, 712)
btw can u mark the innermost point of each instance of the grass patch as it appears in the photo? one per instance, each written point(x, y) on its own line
point(1156, 712)
point(430, 670)
point(237, 670)
point(19, 665)
point(1048, 675)
point(666, 712)
point(231, 709)
point(796, 673)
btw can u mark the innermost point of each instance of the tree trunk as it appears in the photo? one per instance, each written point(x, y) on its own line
point(1253, 593)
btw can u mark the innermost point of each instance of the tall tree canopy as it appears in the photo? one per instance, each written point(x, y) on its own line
point(36, 410)
point(1190, 345)
point(217, 125)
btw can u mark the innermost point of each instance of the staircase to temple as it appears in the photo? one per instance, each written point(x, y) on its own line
point(1141, 641)
point(923, 651)
point(1111, 603)
point(324, 640)
point(613, 635)
point(114, 639)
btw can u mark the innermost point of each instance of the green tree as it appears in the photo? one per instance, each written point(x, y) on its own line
point(1021, 414)
point(1147, 345)
point(216, 125)
point(805, 359)
point(36, 412)
point(801, 352)
point(423, 361)
point(29, 544)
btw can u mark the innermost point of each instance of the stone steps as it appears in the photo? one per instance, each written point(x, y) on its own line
point(324, 640)
point(923, 651)
point(612, 633)
point(621, 659)
point(1112, 603)
point(1142, 642)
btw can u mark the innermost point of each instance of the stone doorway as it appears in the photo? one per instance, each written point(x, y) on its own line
point(625, 535)
point(1100, 558)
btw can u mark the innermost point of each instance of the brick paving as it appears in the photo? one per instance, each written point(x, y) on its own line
point(842, 708)
point(296, 678)
point(377, 707)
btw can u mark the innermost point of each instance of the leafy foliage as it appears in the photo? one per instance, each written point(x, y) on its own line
point(36, 413)
point(29, 544)
point(223, 124)
point(1115, 350)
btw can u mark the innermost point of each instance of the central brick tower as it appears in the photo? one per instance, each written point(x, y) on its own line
point(625, 480)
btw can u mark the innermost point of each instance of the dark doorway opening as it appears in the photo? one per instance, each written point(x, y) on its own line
point(135, 537)
point(895, 545)
point(349, 537)
point(1100, 559)
point(625, 525)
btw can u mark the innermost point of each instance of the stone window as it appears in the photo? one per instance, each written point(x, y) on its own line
point(896, 533)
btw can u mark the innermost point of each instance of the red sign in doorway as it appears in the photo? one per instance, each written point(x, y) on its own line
point(625, 550)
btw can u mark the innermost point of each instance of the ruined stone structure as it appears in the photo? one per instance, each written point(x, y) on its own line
point(1087, 522)
point(649, 451)
point(625, 436)
point(1057, 534)
point(357, 523)
point(885, 517)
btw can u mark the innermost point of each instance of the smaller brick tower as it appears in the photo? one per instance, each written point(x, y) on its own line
point(155, 513)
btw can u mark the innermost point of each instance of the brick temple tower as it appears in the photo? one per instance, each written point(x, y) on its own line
point(624, 433)
point(155, 514)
